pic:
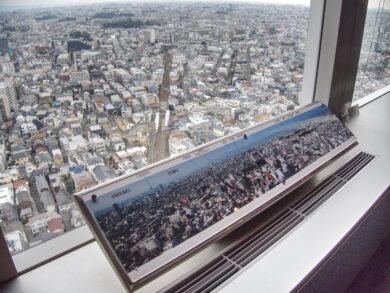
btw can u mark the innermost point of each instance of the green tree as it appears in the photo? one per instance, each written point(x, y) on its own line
point(69, 184)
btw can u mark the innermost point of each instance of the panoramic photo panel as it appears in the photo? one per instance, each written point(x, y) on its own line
point(166, 206)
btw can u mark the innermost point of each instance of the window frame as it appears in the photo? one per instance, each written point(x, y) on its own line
point(343, 30)
point(322, 50)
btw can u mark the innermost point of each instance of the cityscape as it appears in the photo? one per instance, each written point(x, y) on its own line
point(374, 66)
point(89, 93)
point(142, 227)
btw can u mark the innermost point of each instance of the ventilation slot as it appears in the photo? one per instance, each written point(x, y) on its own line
point(332, 184)
point(261, 241)
point(212, 275)
point(217, 271)
point(354, 166)
point(320, 195)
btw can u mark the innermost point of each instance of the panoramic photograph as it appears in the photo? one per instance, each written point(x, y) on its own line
point(167, 208)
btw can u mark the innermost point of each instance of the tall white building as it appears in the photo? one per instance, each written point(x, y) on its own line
point(115, 42)
point(150, 36)
point(7, 67)
point(3, 158)
point(7, 99)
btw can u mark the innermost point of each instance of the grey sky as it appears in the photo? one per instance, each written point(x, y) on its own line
point(42, 3)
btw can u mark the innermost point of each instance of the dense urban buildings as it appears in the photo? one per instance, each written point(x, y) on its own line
point(374, 66)
point(90, 93)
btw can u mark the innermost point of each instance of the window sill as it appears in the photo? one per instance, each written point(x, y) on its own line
point(87, 270)
point(49, 250)
point(371, 97)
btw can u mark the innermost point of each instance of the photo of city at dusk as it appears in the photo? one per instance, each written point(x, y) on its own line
point(167, 208)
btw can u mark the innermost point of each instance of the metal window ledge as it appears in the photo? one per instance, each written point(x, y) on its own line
point(285, 265)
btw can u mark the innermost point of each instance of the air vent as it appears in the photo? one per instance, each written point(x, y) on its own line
point(212, 274)
point(332, 184)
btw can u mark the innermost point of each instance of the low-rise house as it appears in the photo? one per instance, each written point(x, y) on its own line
point(64, 201)
point(6, 178)
point(64, 98)
point(24, 203)
point(98, 144)
point(123, 166)
point(117, 144)
point(28, 128)
point(8, 212)
point(83, 180)
point(40, 222)
point(57, 157)
point(43, 160)
point(56, 226)
point(21, 158)
point(178, 143)
point(74, 143)
point(45, 193)
point(103, 173)
point(15, 237)
point(91, 161)
point(101, 117)
point(77, 219)
point(55, 181)
point(95, 130)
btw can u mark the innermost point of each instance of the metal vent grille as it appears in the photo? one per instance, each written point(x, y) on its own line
point(214, 273)
point(332, 184)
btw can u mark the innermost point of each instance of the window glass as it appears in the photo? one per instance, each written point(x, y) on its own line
point(92, 92)
point(374, 68)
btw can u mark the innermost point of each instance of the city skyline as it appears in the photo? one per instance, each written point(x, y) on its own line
point(21, 4)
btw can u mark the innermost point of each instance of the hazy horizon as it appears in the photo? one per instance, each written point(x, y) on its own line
point(20, 4)
point(25, 4)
